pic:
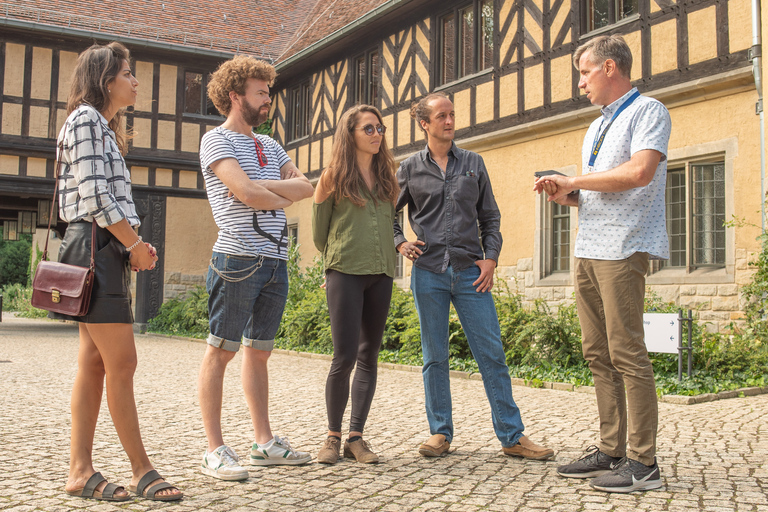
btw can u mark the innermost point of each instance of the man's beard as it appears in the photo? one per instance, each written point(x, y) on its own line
point(253, 116)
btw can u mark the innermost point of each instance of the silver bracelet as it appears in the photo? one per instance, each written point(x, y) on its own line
point(135, 244)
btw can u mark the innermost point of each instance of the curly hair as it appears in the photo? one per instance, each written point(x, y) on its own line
point(343, 177)
point(232, 75)
point(95, 69)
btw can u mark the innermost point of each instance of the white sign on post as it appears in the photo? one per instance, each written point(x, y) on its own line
point(661, 332)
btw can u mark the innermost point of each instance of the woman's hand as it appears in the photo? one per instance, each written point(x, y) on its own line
point(143, 257)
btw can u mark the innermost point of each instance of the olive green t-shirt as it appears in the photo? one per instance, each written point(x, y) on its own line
point(355, 240)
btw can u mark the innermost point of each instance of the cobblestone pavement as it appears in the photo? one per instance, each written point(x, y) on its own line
point(713, 456)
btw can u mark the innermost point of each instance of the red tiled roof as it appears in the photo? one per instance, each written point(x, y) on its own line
point(326, 17)
point(259, 27)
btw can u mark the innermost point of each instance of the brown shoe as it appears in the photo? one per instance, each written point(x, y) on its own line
point(435, 446)
point(527, 449)
point(360, 450)
point(329, 453)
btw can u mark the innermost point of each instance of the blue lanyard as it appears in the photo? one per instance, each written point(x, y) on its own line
point(600, 136)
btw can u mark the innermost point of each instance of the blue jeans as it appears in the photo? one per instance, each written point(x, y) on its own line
point(246, 300)
point(433, 294)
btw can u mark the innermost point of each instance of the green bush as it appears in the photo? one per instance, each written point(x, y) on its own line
point(17, 298)
point(14, 261)
point(186, 315)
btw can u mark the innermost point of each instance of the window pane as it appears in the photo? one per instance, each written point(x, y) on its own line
point(466, 41)
point(708, 214)
point(561, 238)
point(448, 33)
point(306, 111)
point(676, 207)
point(627, 7)
point(361, 80)
point(373, 85)
point(486, 35)
point(193, 93)
point(210, 108)
point(597, 14)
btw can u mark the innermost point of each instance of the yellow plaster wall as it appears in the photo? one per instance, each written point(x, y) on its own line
point(142, 133)
point(386, 83)
point(163, 177)
point(36, 167)
point(563, 17)
point(403, 128)
point(9, 165)
point(61, 117)
point(534, 90)
point(166, 135)
point(633, 40)
point(315, 156)
point(508, 95)
point(702, 35)
point(190, 137)
point(190, 233)
point(740, 25)
point(664, 47)
point(14, 70)
point(167, 99)
point(484, 103)
point(67, 62)
point(144, 74)
point(11, 119)
point(38, 121)
point(534, 30)
point(461, 105)
point(187, 179)
point(328, 150)
point(562, 68)
point(505, 12)
point(41, 73)
point(139, 175)
point(301, 213)
point(303, 156)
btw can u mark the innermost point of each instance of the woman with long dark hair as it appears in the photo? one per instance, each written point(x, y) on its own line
point(352, 227)
point(94, 185)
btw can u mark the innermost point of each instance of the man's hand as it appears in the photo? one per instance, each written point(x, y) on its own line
point(484, 283)
point(556, 186)
point(410, 249)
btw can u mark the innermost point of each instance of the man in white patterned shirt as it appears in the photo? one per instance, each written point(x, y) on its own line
point(620, 196)
point(249, 180)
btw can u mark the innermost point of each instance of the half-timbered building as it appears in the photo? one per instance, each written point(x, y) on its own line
point(507, 66)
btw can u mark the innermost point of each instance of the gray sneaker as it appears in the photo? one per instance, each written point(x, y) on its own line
point(629, 475)
point(594, 463)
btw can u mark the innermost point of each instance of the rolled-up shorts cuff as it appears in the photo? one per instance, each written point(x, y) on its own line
point(228, 345)
point(265, 345)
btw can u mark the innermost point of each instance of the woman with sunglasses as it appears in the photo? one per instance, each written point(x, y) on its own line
point(352, 227)
point(94, 185)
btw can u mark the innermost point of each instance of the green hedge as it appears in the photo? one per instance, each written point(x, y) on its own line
point(540, 344)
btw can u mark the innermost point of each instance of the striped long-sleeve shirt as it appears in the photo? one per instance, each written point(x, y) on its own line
point(93, 182)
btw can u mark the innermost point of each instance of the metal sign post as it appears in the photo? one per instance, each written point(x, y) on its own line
point(664, 334)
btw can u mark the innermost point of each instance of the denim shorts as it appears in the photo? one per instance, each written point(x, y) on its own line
point(246, 300)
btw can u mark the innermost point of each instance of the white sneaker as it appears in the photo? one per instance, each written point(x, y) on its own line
point(277, 451)
point(222, 464)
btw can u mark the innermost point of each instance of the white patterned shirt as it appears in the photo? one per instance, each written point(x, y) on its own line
point(615, 225)
point(94, 182)
point(242, 230)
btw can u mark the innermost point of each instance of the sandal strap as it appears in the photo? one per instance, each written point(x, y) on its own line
point(147, 479)
point(92, 484)
point(109, 490)
point(157, 488)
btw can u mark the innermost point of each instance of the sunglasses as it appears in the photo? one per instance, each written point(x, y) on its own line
point(260, 153)
point(369, 129)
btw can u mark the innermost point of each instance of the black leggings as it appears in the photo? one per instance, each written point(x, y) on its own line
point(358, 307)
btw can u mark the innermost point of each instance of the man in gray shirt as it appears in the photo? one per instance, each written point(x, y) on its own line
point(449, 196)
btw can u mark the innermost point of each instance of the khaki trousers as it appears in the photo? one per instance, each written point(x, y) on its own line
point(609, 297)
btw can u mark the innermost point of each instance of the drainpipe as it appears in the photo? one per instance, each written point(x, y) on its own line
point(755, 55)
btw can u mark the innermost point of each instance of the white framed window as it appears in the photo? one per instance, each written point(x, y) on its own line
point(555, 239)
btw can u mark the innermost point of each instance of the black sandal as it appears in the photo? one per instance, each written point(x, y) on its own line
point(151, 493)
point(106, 494)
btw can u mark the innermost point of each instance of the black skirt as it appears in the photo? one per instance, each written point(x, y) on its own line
point(111, 299)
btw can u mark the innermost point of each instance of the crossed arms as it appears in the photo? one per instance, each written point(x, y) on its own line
point(263, 194)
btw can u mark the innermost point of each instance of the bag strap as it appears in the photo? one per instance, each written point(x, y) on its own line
point(59, 151)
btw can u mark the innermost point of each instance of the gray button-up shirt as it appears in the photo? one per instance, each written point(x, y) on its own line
point(453, 213)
